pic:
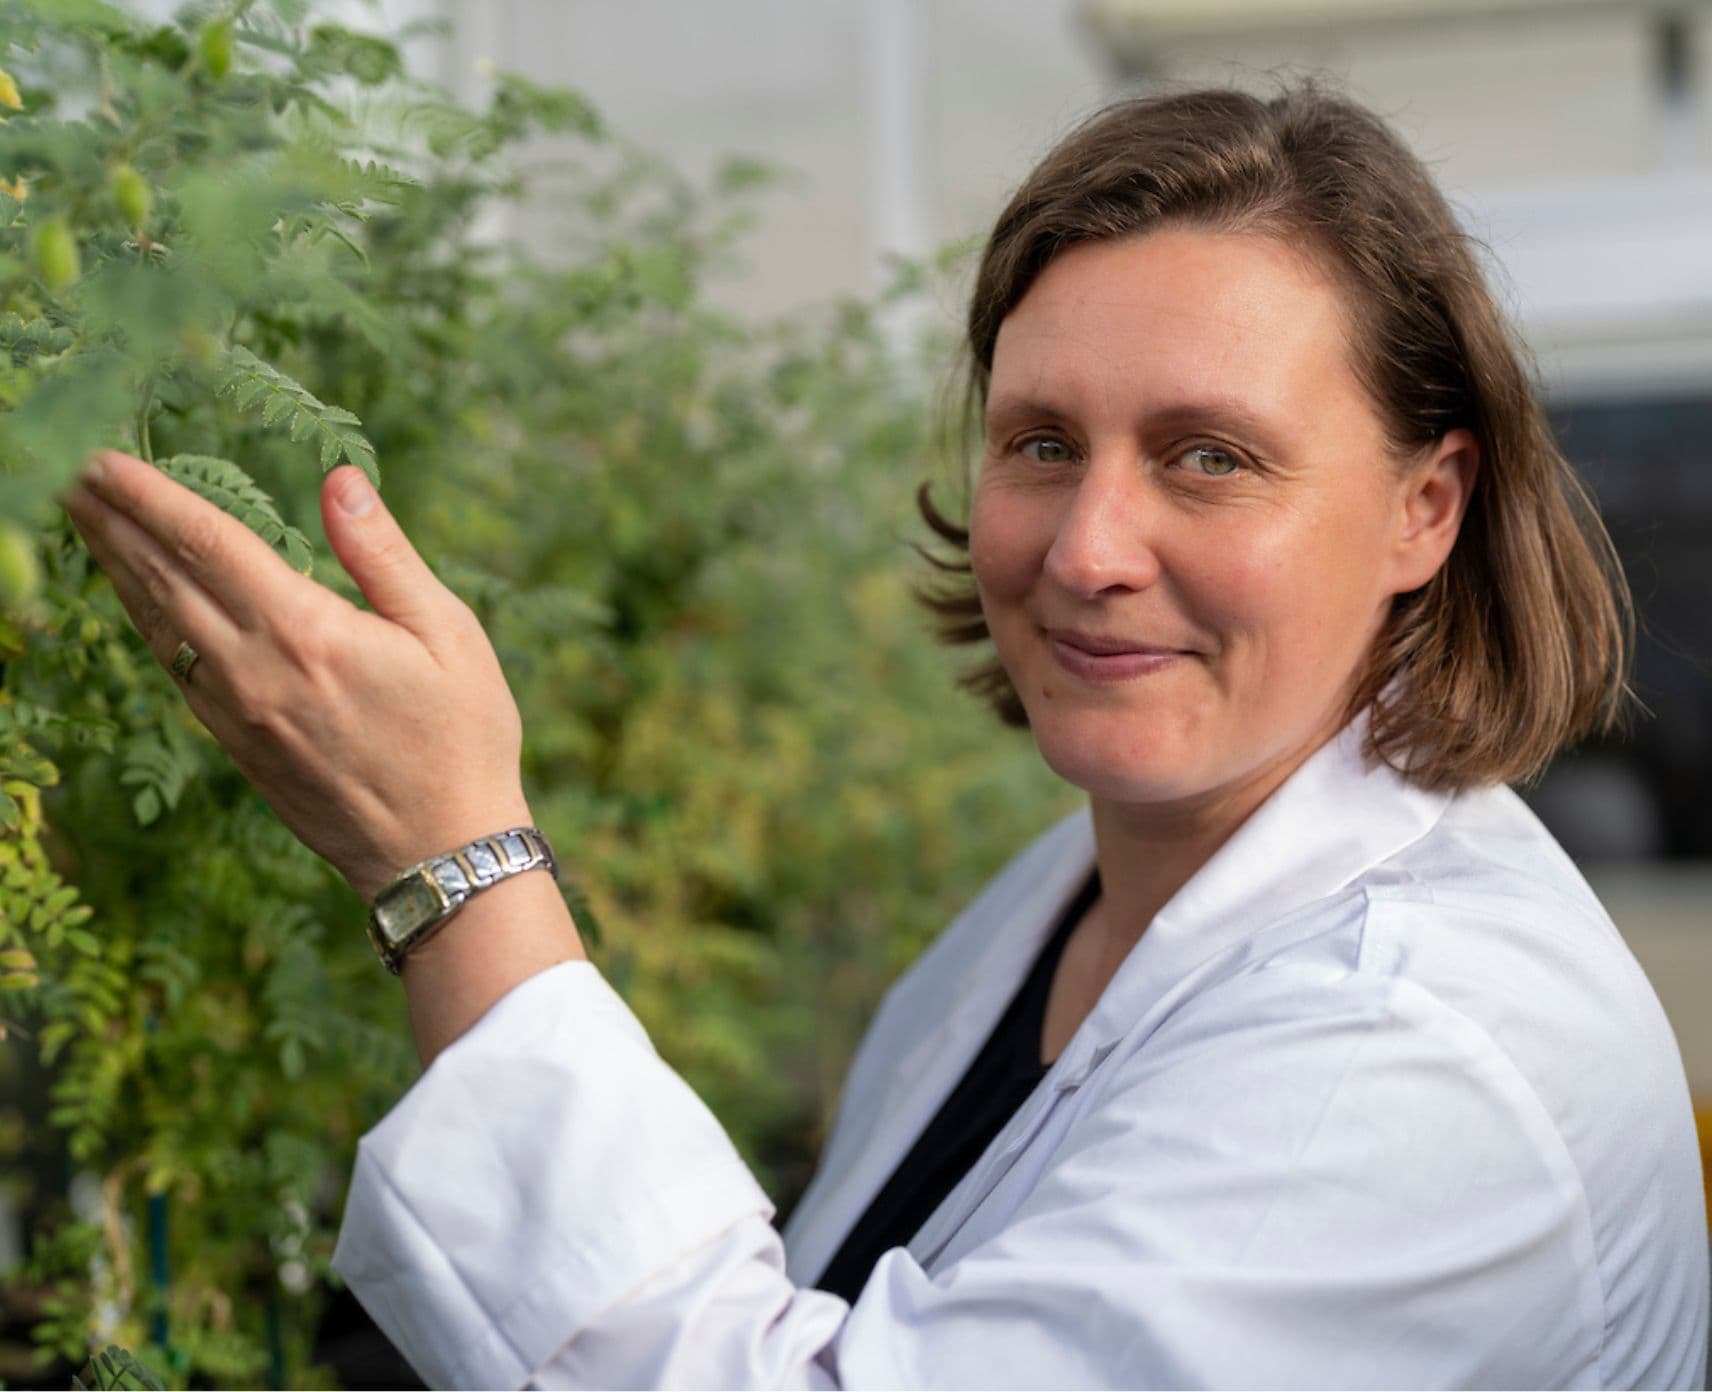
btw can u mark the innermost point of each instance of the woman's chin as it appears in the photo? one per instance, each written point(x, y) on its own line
point(1135, 770)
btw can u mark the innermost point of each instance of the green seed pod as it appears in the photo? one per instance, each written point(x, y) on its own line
point(56, 254)
point(20, 571)
point(214, 47)
point(131, 193)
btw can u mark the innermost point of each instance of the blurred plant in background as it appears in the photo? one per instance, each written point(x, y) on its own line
point(249, 247)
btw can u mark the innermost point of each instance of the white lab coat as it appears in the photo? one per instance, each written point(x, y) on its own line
point(1381, 1098)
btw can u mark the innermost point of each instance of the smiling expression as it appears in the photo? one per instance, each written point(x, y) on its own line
point(1179, 458)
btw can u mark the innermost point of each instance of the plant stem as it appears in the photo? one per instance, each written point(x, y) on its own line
point(143, 441)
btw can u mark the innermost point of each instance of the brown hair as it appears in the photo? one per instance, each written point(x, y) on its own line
point(1520, 645)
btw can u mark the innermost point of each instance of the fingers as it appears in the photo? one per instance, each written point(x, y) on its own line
point(167, 607)
point(223, 557)
point(188, 572)
point(374, 550)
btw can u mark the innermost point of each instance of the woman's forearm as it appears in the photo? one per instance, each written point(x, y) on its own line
point(500, 938)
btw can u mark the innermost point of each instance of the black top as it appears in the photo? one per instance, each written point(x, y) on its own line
point(1002, 1075)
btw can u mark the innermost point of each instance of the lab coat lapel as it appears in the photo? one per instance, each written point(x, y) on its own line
point(931, 1025)
point(1333, 819)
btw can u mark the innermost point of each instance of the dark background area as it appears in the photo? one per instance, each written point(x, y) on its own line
point(1641, 796)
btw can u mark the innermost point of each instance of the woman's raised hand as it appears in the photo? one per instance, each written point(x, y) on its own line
point(380, 738)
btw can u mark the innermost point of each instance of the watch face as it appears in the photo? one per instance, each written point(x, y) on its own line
point(409, 905)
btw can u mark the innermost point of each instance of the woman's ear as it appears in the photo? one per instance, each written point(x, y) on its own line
point(1436, 494)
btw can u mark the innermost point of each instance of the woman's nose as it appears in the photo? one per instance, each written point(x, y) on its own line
point(1106, 535)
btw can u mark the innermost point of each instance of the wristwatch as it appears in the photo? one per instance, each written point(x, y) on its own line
point(417, 902)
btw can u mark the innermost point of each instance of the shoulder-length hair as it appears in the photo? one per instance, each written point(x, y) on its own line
point(1521, 644)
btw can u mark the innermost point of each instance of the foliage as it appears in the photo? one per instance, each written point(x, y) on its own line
point(114, 1368)
point(247, 246)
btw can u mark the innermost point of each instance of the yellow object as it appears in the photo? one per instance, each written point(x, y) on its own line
point(1703, 1124)
point(20, 572)
point(56, 254)
point(9, 97)
point(131, 193)
point(214, 47)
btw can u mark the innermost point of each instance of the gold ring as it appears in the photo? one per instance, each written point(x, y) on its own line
point(183, 660)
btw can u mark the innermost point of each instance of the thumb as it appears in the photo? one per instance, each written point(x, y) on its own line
point(374, 551)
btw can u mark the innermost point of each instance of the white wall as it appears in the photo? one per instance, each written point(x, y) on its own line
point(816, 86)
point(909, 121)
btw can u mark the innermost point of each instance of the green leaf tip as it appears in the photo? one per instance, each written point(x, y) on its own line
point(231, 490)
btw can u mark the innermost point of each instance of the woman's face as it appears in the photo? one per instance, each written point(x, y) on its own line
point(1180, 460)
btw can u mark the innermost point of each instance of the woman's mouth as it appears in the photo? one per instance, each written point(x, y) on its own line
point(1104, 667)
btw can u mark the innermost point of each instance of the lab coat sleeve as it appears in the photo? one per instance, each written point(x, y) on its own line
point(1300, 1180)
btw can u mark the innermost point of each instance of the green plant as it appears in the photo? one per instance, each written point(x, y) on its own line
point(247, 246)
point(114, 1368)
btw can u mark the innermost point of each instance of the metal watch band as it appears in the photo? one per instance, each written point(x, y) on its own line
point(417, 902)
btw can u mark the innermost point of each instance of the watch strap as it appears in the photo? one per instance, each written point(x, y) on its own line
point(418, 901)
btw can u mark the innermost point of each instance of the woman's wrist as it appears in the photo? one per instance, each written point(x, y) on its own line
point(500, 938)
point(405, 847)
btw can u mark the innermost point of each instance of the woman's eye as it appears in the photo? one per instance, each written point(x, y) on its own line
point(1209, 460)
point(1051, 450)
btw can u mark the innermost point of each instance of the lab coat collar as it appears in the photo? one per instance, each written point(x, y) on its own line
point(1333, 819)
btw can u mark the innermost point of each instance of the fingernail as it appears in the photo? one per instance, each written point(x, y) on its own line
point(96, 470)
point(356, 495)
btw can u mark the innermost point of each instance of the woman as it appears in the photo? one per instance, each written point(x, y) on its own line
point(1302, 1056)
